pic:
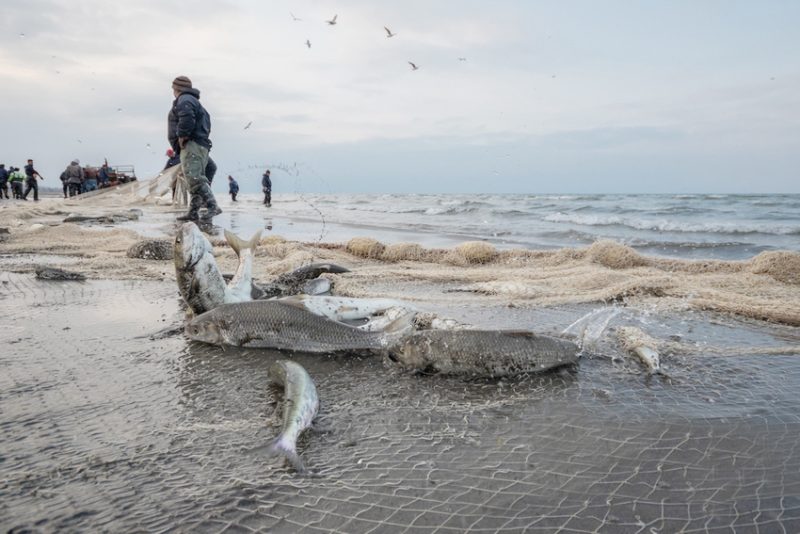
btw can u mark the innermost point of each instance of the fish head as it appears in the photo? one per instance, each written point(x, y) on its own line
point(205, 328)
point(190, 246)
point(411, 351)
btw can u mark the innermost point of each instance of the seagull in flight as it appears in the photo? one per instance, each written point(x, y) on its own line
point(332, 21)
point(294, 18)
point(248, 125)
point(462, 59)
point(413, 66)
point(308, 43)
point(389, 32)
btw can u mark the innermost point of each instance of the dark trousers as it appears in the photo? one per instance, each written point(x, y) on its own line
point(74, 189)
point(16, 189)
point(31, 184)
point(233, 197)
point(268, 197)
point(66, 188)
point(4, 189)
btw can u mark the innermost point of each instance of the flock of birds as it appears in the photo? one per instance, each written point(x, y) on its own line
point(389, 34)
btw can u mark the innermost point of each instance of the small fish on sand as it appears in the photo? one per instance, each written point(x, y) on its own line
point(642, 346)
point(53, 273)
point(300, 406)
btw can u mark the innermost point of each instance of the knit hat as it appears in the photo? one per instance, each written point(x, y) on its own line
point(181, 82)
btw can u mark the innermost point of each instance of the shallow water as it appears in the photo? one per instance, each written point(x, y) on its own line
point(105, 427)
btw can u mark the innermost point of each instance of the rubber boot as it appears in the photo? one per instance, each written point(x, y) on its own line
point(194, 208)
point(213, 210)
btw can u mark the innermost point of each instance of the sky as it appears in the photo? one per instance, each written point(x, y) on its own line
point(695, 96)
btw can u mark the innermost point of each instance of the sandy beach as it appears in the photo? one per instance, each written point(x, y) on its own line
point(113, 421)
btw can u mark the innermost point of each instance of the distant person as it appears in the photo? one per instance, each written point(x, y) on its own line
point(104, 175)
point(233, 187)
point(30, 181)
point(75, 177)
point(16, 180)
point(4, 175)
point(266, 186)
point(90, 179)
point(64, 184)
point(190, 124)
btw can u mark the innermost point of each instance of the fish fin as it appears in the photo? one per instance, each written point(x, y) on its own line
point(518, 333)
point(279, 448)
point(234, 241)
point(294, 300)
point(254, 241)
point(401, 325)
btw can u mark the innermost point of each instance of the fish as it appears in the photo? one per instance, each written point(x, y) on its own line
point(200, 282)
point(304, 279)
point(480, 353)
point(300, 406)
point(642, 346)
point(274, 324)
point(240, 287)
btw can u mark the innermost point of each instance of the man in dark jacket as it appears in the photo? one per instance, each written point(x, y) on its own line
point(4, 174)
point(266, 186)
point(30, 181)
point(189, 125)
point(233, 187)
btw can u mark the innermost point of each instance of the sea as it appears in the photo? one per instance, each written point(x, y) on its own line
point(690, 226)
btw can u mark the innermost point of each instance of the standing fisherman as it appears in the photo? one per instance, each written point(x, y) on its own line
point(30, 181)
point(190, 123)
point(233, 187)
point(266, 186)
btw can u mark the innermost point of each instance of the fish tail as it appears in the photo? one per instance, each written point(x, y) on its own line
point(238, 244)
point(279, 447)
point(401, 325)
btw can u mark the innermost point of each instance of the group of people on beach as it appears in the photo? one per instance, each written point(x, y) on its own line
point(188, 130)
point(15, 178)
point(76, 180)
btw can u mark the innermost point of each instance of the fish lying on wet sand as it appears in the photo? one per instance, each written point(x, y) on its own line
point(281, 325)
point(481, 353)
point(300, 406)
point(642, 346)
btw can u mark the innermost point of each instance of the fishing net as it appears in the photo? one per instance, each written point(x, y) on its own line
point(138, 430)
point(168, 188)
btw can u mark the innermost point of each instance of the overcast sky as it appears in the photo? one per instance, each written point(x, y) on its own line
point(559, 96)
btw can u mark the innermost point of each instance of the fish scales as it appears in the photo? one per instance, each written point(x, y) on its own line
point(276, 325)
point(481, 353)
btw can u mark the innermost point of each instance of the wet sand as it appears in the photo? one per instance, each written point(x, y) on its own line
point(108, 425)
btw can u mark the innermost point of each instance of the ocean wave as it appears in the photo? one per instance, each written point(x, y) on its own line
point(674, 226)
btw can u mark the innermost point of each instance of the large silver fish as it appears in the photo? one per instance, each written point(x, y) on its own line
point(300, 406)
point(481, 353)
point(280, 325)
point(199, 280)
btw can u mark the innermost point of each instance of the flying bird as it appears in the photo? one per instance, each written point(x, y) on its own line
point(22, 35)
point(294, 18)
point(332, 21)
point(413, 66)
point(119, 109)
point(148, 145)
point(308, 43)
point(248, 125)
point(389, 32)
point(462, 59)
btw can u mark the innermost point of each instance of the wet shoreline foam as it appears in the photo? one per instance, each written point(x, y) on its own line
point(98, 411)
